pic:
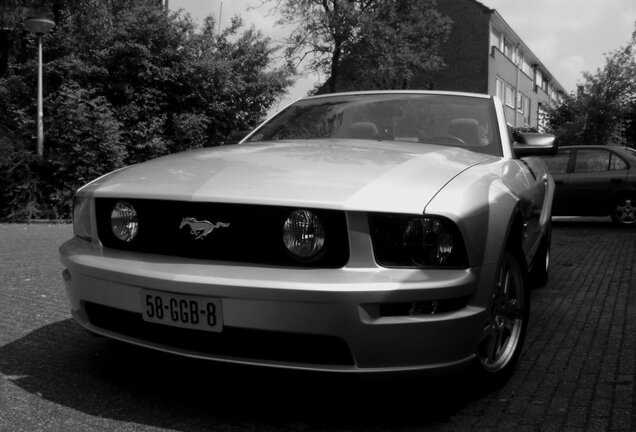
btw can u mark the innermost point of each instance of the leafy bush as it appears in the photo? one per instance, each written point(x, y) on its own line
point(124, 82)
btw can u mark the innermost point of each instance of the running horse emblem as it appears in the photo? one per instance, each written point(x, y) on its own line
point(200, 229)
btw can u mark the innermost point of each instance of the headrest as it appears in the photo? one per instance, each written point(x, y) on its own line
point(363, 130)
point(467, 129)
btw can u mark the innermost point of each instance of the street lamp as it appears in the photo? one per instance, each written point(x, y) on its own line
point(40, 27)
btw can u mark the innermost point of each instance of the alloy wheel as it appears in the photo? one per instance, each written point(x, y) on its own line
point(625, 211)
point(504, 332)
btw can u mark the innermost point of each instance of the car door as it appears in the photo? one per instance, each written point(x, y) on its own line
point(558, 166)
point(596, 176)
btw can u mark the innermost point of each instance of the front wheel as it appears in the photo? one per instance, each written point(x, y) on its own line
point(508, 320)
point(624, 211)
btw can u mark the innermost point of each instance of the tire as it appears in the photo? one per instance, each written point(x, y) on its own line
point(505, 331)
point(538, 276)
point(624, 211)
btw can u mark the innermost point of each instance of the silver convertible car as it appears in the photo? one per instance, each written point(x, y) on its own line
point(351, 232)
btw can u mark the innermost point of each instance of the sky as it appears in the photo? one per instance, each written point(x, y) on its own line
point(568, 36)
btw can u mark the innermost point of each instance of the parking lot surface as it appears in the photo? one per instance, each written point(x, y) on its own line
point(576, 371)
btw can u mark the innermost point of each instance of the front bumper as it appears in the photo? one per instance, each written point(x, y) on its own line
point(315, 319)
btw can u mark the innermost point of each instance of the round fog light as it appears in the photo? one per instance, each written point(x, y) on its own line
point(303, 234)
point(124, 222)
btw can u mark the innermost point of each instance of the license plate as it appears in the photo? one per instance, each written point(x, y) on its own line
point(192, 312)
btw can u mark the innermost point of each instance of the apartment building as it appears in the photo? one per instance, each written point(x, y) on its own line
point(485, 55)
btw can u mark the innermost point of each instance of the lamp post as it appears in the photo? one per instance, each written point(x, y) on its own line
point(39, 27)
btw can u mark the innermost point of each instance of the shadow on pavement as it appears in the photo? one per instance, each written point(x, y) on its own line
point(108, 379)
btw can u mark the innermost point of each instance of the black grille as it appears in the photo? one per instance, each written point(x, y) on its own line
point(254, 234)
point(231, 342)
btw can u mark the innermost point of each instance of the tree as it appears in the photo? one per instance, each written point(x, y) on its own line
point(601, 112)
point(124, 81)
point(398, 39)
point(386, 41)
point(234, 81)
point(12, 13)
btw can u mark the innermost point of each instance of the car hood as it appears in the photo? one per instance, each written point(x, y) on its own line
point(347, 174)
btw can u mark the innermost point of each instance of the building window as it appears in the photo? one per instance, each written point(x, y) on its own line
point(499, 88)
point(539, 79)
point(526, 67)
point(520, 56)
point(509, 96)
point(545, 83)
point(523, 106)
point(551, 92)
point(509, 51)
point(496, 40)
point(526, 110)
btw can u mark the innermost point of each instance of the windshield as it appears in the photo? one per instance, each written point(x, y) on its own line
point(452, 120)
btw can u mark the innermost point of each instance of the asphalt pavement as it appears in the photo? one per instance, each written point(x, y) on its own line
point(576, 371)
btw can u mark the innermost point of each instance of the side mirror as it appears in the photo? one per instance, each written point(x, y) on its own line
point(533, 144)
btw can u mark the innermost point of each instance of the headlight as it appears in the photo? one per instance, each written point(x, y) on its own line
point(82, 217)
point(124, 222)
point(427, 241)
point(416, 241)
point(303, 235)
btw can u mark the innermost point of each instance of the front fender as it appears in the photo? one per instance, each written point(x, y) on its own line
point(483, 203)
point(486, 200)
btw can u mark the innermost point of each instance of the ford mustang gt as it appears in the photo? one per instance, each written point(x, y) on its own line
point(351, 232)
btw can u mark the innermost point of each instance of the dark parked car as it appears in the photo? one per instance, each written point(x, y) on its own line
point(595, 181)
